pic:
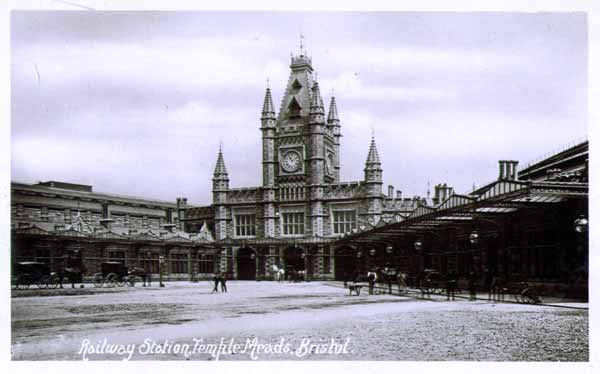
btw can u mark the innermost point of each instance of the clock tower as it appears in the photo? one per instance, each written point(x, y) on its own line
point(300, 148)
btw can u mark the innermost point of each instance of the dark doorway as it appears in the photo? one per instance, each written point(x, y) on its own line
point(293, 259)
point(345, 264)
point(246, 264)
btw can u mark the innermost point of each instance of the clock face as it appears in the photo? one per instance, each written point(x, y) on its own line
point(329, 164)
point(291, 162)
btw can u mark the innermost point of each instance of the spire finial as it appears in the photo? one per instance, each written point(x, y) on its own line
point(373, 156)
point(268, 83)
point(220, 168)
point(333, 115)
point(316, 75)
point(301, 43)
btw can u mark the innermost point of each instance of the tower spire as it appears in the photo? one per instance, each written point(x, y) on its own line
point(220, 169)
point(268, 109)
point(373, 157)
point(316, 101)
point(333, 113)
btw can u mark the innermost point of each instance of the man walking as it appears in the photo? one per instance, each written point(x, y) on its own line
point(216, 280)
point(450, 286)
point(224, 282)
point(472, 286)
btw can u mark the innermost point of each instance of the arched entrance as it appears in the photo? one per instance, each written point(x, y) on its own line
point(293, 259)
point(246, 264)
point(345, 264)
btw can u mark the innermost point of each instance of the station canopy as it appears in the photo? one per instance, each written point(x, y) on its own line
point(491, 201)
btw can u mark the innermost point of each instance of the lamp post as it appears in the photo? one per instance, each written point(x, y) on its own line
point(581, 224)
point(389, 249)
point(474, 237)
point(161, 261)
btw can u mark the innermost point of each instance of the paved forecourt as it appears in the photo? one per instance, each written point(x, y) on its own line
point(285, 321)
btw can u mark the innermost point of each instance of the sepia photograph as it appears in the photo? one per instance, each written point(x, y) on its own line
point(267, 185)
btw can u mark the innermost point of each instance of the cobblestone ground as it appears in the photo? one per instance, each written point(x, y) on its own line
point(283, 321)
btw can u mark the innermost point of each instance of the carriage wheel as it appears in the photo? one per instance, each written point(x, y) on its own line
point(42, 282)
point(518, 298)
point(98, 280)
point(131, 280)
point(54, 281)
point(121, 282)
point(529, 296)
point(23, 282)
point(111, 280)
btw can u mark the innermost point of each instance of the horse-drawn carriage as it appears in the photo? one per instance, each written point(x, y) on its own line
point(114, 274)
point(431, 282)
point(31, 272)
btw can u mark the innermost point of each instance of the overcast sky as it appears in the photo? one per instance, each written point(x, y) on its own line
point(136, 103)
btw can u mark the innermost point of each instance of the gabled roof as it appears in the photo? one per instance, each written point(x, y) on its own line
point(502, 187)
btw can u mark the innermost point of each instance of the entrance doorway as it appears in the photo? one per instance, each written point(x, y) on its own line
point(345, 264)
point(246, 264)
point(293, 260)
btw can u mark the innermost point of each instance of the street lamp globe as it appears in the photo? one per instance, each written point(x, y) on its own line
point(389, 249)
point(372, 252)
point(359, 254)
point(474, 237)
point(418, 245)
point(252, 256)
point(581, 224)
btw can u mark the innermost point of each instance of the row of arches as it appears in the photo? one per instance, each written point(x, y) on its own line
point(345, 261)
point(246, 261)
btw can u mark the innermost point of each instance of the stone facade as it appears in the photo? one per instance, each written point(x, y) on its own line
point(52, 220)
point(292, 220)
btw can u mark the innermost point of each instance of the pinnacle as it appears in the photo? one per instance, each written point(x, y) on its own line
point(220, 168)
point(373, 157)
point(316, 101)
point(268, 109)
point(333, 115)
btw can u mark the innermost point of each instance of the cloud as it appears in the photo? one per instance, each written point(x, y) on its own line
point(136, 103)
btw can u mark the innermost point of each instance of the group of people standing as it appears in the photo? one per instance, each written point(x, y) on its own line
point(220, 278)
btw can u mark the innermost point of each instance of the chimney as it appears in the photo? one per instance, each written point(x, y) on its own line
point(399, 195)
point(436, 194)
point(508, 169)
point(514, 174)
point(390, 191)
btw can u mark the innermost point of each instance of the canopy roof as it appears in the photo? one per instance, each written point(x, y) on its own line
point(497, 198)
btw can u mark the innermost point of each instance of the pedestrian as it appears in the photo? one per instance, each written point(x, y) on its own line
point(224, 282)
point(388, 278)
point(493, 284)
point(450, 286)
point(147, 271)
point(371, 279)
point(216, 280)
point(472, 286)
point(401, 278)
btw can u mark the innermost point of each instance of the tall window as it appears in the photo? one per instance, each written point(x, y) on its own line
point(206, 263)
point(344, 221)
point(293, 223)
point(245, 225)
point(179, 263)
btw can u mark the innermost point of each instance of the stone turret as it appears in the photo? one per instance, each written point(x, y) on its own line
point(317, 159)
point(220, 190)
point(374, 183)
point(334, 122)
point(268, 126)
